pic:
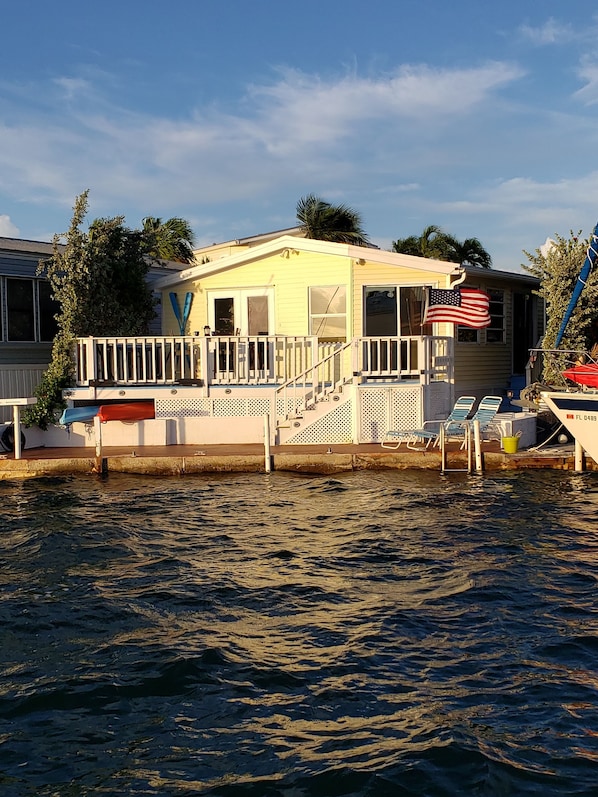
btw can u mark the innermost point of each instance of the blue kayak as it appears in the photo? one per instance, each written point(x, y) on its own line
point(82, 414)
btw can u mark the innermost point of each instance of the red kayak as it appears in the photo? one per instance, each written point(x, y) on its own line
point(583, 374)
point(127, 411)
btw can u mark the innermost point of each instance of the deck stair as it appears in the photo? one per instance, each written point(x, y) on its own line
point(319, 391)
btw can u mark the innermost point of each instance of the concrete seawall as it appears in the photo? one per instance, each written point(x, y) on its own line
point(185, 460)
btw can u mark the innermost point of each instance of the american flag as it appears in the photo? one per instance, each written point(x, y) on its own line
point(465, 306)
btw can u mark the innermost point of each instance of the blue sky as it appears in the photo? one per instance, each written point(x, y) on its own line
point(479, 117)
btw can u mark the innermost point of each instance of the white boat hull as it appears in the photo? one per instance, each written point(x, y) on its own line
point(578, 412)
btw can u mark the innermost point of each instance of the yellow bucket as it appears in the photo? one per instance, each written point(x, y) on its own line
point(510, 445)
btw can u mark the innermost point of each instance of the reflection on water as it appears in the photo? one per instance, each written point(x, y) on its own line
point(369, 634)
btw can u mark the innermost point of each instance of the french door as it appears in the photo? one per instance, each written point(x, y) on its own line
point(244, 313)
point(241, 312)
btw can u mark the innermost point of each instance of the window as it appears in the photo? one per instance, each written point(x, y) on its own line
point(467, 335)
point(412, 311)
point(328, 312)
point(19, 309)
point(495, 333)
point(48, 307)
point(28, 310)
point(224, 316)
point(380, 311)
point(385, 315)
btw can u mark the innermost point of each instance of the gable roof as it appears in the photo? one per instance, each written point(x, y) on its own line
point(249, 241)
point(22, 245)
point(294, 244)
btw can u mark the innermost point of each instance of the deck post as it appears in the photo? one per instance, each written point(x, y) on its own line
point(97, 428)
point(267, 457)
point(442, 449)
point(91, 361)
point(204, 365)
point(579, 457)
point(16, 404)
point(479, 465)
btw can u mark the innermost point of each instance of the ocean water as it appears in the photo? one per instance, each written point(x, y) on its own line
point(396, 633)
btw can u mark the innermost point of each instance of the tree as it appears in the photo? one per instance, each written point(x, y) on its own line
point(469, 252)
point(325, 222)
point(172, 239)
point(99, 281)
point(557, 266)
point(439, 245)
point(431, 243)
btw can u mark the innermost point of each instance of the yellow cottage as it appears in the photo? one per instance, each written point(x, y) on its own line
point(324, 341)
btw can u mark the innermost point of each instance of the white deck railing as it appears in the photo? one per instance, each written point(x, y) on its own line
point(137, 361)
point(264, 360)
point(409, 357)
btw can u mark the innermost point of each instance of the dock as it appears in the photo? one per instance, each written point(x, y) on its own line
point(181, 460)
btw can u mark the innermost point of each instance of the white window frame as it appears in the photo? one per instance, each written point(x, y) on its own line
point(500, 329)
point(313, 316)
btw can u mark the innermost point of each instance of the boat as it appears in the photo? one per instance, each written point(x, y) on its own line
point(82, 414)
point(578, 410)
point(121, 411)
point(127, 411)
point(583, 374)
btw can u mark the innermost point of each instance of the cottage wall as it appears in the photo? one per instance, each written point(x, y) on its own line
point(290, 275)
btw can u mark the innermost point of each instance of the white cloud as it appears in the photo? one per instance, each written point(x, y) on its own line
point(7, 228)
point(298, 128)
point(588, 72)
point(550, 32)
point(73, 87)
point(302, 108)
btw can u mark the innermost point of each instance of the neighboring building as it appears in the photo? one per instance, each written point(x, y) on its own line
point(27, 318)
point(28, 324)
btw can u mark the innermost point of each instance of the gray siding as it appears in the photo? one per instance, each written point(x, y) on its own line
point(21, 364)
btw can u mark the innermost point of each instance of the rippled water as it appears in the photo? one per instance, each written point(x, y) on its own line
point(372, 634)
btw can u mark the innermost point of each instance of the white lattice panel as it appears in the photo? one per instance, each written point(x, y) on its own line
point(183, 408)
point(373, 421)
point(257, 406)
point(287, 407)
point(229, 407)
point(405, 408)
point(335, 427)
point(384, 408)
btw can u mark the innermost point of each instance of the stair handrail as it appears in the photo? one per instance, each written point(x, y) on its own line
point(319, 389)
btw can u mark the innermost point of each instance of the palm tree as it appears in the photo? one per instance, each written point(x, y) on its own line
point(432, 243)
point(325, 222)
point(439, 245)
point(168, 240)
point(469, 252)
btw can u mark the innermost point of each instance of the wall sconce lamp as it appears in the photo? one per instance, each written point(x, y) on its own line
point(206, 330)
